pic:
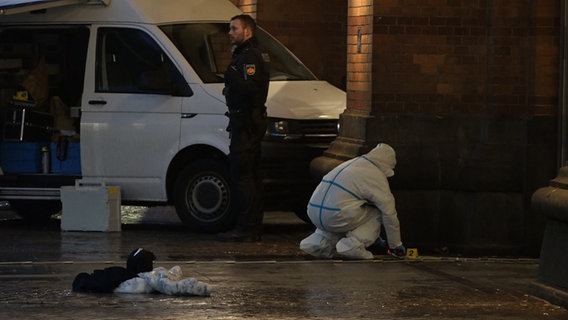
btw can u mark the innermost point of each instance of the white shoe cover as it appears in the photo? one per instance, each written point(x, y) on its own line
point(318, 246)
point(351, 248)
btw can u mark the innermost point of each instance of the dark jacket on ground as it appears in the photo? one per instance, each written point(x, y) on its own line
point(108, 279)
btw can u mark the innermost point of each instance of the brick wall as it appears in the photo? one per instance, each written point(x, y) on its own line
point(477, 81)
point(360, 55)
point(433, 56)
point(247, 6)
point(466, 91)
point(466, 57)
point(315, 31)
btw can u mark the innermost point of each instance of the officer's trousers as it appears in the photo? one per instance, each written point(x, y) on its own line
point(247, 131)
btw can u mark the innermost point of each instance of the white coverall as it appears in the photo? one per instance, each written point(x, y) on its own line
point(350, 204)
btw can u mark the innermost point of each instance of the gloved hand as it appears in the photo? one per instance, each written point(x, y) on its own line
point(398, 252)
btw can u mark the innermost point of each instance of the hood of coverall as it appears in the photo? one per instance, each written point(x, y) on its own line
point(384, 157)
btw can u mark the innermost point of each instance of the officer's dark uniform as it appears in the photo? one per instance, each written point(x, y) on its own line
point(246, 88)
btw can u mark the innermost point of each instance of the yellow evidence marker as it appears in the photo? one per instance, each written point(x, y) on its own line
point(412, 253)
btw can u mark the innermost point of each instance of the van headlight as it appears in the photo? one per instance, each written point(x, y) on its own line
point(283, 129)
point(280, 127)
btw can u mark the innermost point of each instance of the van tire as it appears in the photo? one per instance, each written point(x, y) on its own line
point(35, 211)
point(202, 196)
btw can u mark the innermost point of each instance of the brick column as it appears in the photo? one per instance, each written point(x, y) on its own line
point(248, 7)
point(352, 139)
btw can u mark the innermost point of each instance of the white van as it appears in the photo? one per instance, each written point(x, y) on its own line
point(129, 92)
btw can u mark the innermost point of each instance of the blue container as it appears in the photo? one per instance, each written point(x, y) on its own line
point(21, 157)
point(65, 157)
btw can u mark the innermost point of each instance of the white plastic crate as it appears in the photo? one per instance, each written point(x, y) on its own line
point(90, 206)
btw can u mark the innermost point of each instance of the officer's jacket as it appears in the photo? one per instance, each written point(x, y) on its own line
point(247, 77)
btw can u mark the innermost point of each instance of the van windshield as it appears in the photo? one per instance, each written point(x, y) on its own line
point(206, 46)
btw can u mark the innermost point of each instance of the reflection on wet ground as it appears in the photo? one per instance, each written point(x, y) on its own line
point(271, 279)
point(296, 290)
point(129, 214)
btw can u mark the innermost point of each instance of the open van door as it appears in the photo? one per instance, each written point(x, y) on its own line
point(20, 6)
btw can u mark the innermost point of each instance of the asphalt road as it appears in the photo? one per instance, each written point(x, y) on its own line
point(271, 279)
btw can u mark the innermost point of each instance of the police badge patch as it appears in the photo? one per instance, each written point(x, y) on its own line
point(250, 69)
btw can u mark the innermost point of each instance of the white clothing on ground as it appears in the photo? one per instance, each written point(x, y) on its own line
point(170, 282)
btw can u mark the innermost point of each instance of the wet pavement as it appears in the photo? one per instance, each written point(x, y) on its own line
point(271, 279)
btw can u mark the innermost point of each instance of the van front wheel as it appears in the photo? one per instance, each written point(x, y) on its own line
point(202, 196)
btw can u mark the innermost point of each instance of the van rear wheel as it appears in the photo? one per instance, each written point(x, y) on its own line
point(202, 196)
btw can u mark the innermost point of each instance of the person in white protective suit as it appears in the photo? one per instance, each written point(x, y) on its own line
point(349, 206)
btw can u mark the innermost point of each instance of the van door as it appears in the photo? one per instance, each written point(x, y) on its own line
point(130, 124)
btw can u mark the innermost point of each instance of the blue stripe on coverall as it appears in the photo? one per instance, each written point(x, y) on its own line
point(374, 164)
point(333, 183)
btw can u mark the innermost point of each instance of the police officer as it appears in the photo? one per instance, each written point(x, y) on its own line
point(246, 88)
